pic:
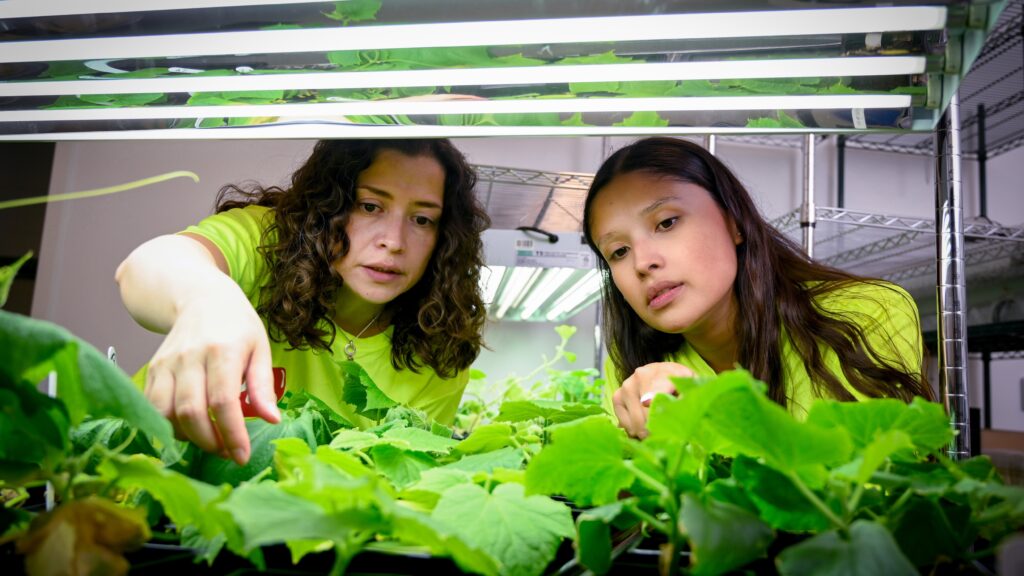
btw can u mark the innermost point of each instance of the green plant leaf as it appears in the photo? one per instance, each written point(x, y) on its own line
point(776, 497)
point(510, 458)
point(184, 500)
point(215, 470)
point(87, 382)
point(266, 514)
point(924, 422)
point(33, 433)
point(676, 419)
point(419, 440)
point(413, 527)
point(494, 523)
point(433, 483)
point(7, 274)
point(551, 410)
point(927, 533)
point(593, 444)
point(759, 427)
point(349, 11)
point(869, 551)
point(594, 544)
point(722, 536)
point(487, 438)
point(401, 467)
point(608, 57)
point(643, 120)
point(361, 392)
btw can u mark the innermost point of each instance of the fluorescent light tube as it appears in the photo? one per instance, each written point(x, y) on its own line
point(407, 107)
point(551, 283)
point(488, 33)
point(491, 277)
point(520, 281)
point(40, 8)
point(557, 74)
point(587, 287)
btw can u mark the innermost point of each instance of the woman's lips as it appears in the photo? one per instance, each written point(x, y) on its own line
point(664, 297)
point(381, 274)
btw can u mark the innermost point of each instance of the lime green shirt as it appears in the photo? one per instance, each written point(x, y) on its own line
point(237, 233)
point(886, 314)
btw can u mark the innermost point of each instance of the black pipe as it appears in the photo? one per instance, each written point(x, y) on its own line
point(841, 172)
point(982, 161)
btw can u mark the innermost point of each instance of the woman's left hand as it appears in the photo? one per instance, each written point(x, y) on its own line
point(632, 399)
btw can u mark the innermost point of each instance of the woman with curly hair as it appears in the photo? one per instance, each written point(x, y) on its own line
point(701, 283)
point(372, 254)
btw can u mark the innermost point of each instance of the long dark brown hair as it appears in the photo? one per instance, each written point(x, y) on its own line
point(776, 287)
point(438, 322)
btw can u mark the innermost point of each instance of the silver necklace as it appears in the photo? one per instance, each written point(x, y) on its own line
point(350, 348)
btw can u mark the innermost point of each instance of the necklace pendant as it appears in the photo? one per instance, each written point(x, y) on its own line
point(350, 350)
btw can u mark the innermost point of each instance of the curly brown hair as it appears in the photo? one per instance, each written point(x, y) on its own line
point(776, 287)
point(438, 322)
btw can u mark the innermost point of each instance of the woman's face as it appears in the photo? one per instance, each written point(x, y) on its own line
point(671, 251)
point(393, 227)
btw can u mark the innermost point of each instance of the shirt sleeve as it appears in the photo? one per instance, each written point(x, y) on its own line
point(238, 234)
point(889, 321)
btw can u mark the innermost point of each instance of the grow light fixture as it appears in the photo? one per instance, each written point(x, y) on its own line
point(641, 72)
point(585, 291)
point(39, 8)
point(488, 33)
point(340, 110)
point(513, 292)
point(542, 294)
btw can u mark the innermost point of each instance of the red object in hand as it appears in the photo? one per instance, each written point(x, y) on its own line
point(279, 384)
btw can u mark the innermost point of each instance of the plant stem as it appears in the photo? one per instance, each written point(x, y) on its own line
point(648, 480)
point(813, 498)
point(650, 520)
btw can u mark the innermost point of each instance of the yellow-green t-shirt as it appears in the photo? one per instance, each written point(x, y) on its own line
point(886, 315)
point(237, 233)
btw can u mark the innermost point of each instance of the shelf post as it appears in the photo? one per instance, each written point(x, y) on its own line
point(710, 143)
point(951, 289)
point(807, 208)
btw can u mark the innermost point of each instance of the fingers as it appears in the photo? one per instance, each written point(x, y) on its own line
point(259, 381)
point(191, 408)
point(223, 388)
point(633, 399)
point(160, 393)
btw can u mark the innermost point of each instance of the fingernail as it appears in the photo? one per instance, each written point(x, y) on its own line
point(240, 455)
point(645, 399)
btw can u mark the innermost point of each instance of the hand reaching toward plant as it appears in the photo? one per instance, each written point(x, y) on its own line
point(632, 399)
point(215, 342)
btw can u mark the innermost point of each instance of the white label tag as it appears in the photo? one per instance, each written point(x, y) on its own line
point(858, 118)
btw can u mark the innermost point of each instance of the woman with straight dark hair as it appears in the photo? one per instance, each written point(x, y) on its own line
point(701, 283)
point(372, 255)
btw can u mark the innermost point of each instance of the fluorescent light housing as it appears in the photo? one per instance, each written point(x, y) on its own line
point(488, 33)
point(586, 291)
point(490, 279)
point(419, 108)
point(562, 74)
point(548, 285)
point(513, 291)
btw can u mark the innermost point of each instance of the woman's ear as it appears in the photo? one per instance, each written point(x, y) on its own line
point(734, 231)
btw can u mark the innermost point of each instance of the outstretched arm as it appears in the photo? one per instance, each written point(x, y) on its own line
point(179, 285)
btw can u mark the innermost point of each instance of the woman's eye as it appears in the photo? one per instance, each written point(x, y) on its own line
point(618, 253)
point(423, 221)
point(667, 223)
point(368, 207)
